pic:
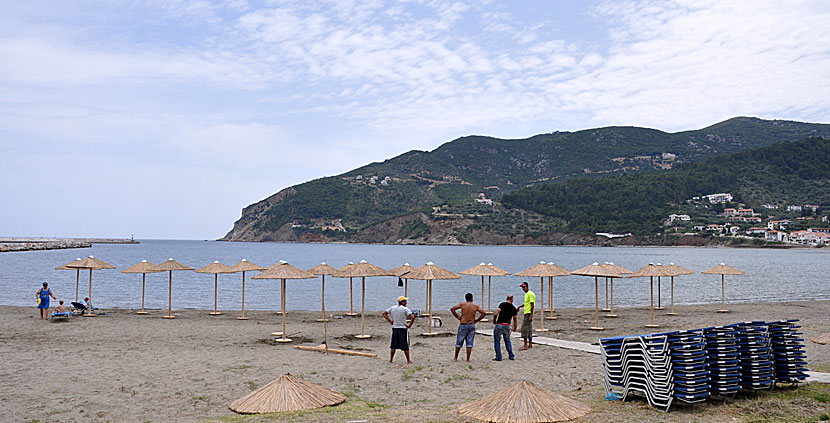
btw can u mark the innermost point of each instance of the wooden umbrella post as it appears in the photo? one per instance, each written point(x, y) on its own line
point(426, 299)
point(596, 304)
point(672, 313)
point(550, 299)
point(215, 311)
point(143, 280)
point(429, 309)
point(77, 282)
point(611, 311)
point(351, 298)
point(170, 296)
point(405, 287)
point(242, 317)
point(542, 306)
point(482, 299)
point(283, 339)
point(489, 291)
point(651, 284)
point(323, 302)
point(722, 295)
point(606, 296)
point(659, 294)
point(363, 311)
point(90, 313)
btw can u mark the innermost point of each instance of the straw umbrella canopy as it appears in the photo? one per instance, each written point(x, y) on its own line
point(77, 274)
point(620, 270)
point(822, 339)
point(430, 272)
point(363, 270)
point(322, 270)
point(650, 271)
point(283, 271)
point(541, 270)
point(596, 271)
point(244, 266)
point(403, 272)
point(524, 402)
point(90, 263)
point(344, 271)
point(144, 267)
point(722, 270)
point(216, 268)
point(560, 271)
point(675, 270)
point(170, 266)
point(286, 393)
point(483, 270)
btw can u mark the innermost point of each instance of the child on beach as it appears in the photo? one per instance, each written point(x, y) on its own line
point(60, 308)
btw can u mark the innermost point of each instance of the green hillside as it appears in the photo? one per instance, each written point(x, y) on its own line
point(796, 172)
point(461, 169)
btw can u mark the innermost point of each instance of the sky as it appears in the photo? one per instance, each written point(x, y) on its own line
point(163, 119)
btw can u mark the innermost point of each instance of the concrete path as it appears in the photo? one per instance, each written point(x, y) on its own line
point(594, 349)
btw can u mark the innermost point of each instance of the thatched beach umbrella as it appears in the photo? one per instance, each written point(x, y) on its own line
point(283, 271)
point(286, 393)
point(621, 271)
point(363, 270)
point(77, 274)
point(485, 270)
point(559, 271)
point(722, 269)
point(144, 267)
point(345, 270)
point(322, 270)
point(542, 270)
point(524, 402)
point(244, 266)
point(216, 268)
point(430, 272)
point(596, 271)
point(675, 270)
point(170, 266)
point(90, 263)
point(650, 271)
point(403, 272)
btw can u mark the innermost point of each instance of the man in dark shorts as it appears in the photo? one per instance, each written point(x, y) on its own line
point(402, 319)
point(527, 321)
point(501, 327)
point(467, 328)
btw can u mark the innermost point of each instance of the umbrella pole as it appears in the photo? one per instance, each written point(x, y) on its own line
point(611, 314)
point(169, 296)
point(405, 287)
point(242, 317)
point(542, 307)
point(215, 295)
point(550, 299)
point(659, 306)
point(672, 313)
point(722, 295)
point(282, 295)
point(143, 280)
point(90, 313)
point(426, 299)
point(77, 282)
point(429, 309)
point(351, 299)
point(363, 311)
point(489, 292)
point(651, 284)
point(596, 303)
point(323, 302)
point(606, 295)
point(482, 299)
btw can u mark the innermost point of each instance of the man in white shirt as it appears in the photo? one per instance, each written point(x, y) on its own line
point(402, 319)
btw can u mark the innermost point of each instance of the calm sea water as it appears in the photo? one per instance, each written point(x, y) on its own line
point(771, 275)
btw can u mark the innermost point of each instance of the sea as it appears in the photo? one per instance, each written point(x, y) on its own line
point(770, 275)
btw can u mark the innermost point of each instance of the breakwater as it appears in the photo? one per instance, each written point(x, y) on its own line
point(9, 244)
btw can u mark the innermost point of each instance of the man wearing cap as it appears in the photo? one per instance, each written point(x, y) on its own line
point(402, 319)
point(527, 321)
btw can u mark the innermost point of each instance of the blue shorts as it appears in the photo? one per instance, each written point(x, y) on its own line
point(465, 332)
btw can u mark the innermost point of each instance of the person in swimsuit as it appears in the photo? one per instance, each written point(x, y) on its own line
point(43, 295)
point(467, 328)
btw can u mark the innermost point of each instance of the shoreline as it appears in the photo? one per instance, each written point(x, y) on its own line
point(123, 366)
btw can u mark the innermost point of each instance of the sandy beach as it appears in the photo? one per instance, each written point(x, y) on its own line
point(124, 367)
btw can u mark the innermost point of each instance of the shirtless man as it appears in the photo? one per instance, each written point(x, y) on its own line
point(467, 328)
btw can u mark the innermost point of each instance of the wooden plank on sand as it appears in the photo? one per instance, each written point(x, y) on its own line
point(334, 350)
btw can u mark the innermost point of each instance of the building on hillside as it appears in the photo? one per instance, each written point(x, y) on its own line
point(746, 212)
point(793, 208)
point(807, 237)
point(734, 230)
point(699, 228)
point(678, 218)
point(774, 235)
point(744, 219)
point(770, 206)
point(482, 199)
point(756, 230)
point(719, 198)
point(814, 208)
point(730, 212)
point(713, 227)
point(822, 230)
point(779, 224)
point(358, 177)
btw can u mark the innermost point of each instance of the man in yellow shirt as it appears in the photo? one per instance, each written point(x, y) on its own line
point(527, 321)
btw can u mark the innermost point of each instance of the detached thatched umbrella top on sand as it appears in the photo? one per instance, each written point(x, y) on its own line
point(524, 402)
point(286, 393)
point(722, 269)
